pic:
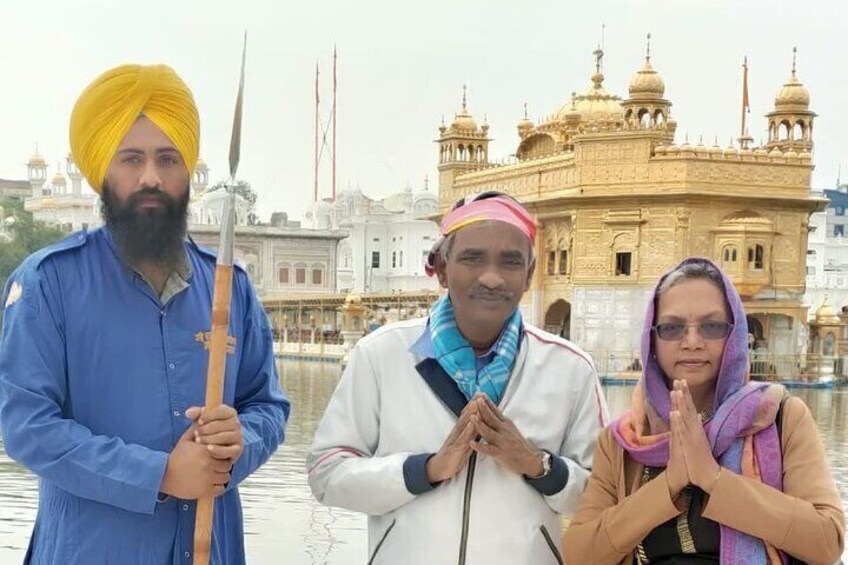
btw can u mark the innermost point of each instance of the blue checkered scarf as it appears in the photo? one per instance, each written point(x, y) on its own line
point(457, 358)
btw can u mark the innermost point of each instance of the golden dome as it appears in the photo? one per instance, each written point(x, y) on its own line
point(715, 150)
point(596, 105)
point(760, 152)
point(792, 95)
point(775, 153)
point(463, 120)
point(826, 315)
point(59, 179)
point(353, 299)
point(647, 83)
point(36, 160)
point(525, 126)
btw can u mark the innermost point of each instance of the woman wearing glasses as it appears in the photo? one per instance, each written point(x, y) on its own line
point(707, 466)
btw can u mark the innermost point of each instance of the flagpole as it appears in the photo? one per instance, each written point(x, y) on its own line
point(315, 189)
point(744, 95)
point(334, 121)
point(744, 138)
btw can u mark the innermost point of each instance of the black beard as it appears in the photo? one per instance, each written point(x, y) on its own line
point(149, 235)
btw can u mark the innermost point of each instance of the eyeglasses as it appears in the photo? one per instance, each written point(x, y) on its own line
point(674, 331)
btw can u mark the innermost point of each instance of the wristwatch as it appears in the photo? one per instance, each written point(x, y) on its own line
point(546, 463)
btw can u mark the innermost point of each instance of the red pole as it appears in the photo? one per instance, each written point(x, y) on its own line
point(334, 122)
point(745, 105)
point(315, 190)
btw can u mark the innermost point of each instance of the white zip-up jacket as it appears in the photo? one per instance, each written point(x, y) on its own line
point(392, 410)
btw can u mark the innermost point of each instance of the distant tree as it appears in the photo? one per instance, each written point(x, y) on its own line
point(28, 235)
point(243, 189)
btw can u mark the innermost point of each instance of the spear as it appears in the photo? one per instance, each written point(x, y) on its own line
point(220, 319)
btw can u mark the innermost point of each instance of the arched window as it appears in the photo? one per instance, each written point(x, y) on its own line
point(659, 117)
point(283, 274)
point(800, 131)
point(755, 257)
point(300, 274)
point(829, 341)
point(784, 130)
point(728, 255)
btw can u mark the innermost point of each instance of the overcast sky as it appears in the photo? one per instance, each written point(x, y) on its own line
point(402, 66)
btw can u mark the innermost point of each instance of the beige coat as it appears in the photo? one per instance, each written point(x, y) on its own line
point(806, 519)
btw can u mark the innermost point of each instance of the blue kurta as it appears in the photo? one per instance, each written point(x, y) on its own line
point(95, 378)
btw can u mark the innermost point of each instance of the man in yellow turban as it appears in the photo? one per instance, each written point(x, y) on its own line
point(103, 359)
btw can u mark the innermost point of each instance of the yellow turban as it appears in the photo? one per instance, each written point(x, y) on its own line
point(111, 104)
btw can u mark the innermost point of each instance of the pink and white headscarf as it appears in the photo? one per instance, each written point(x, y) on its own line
point(483, 207)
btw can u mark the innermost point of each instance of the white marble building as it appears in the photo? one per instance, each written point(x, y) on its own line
point(283, 259)
point(72, 208)
point(387, 242)
point(827, 253)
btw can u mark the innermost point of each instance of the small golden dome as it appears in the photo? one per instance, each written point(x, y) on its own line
point(731, 151)
point(715, 150)
point(463, 119)
point(760, 152)
point(525, 126)
point(647, 83)
point(59, 179)
point(775, 153)
point(791, 155)
point(793, 94)
point(36, 160)
point(352, 298)
point(826, 315)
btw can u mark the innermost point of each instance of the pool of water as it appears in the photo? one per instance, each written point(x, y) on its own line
point(283, 522)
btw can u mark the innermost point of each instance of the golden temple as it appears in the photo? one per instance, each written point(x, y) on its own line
point(619, 201)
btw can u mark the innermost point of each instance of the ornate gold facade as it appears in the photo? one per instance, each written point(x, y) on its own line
point(619, 202)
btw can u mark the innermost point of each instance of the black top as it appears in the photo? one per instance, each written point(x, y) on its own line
point(686, 539)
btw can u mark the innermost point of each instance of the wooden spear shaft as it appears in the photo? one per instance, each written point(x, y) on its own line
point(220, 321)
point(214, 397)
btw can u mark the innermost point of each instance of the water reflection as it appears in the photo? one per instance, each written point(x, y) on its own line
point(282, 520)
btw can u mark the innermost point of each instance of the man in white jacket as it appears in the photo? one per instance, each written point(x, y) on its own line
point(465, 435)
